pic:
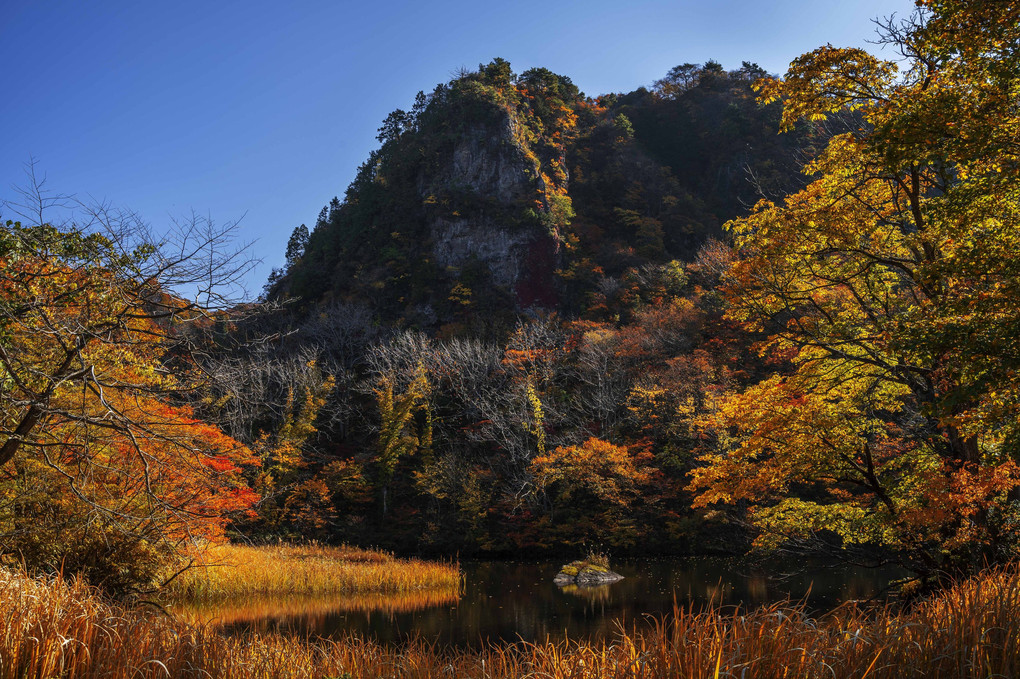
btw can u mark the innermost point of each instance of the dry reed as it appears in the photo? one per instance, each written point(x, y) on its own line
point(51, 629)
point(235, 571)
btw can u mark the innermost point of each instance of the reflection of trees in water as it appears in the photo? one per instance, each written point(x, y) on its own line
point(719, 592)
point(280, 608)
point(757, 586)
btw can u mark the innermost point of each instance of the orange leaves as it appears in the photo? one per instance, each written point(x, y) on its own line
point(524, 359)
point(951, 505)
point(594, 487)
point(606, 471)
point(92, 413)
point(810, 430)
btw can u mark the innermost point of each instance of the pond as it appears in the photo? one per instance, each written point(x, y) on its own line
point(511, 601)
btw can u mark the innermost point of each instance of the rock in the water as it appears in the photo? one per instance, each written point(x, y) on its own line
point(585, 574)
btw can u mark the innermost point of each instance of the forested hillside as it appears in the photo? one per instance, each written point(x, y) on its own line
point(524, 327)
point(728, 310)
point(505, 333)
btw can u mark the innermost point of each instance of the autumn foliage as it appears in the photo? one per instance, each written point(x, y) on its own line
point(836, 369)
point(889, 285)
point(104, 469)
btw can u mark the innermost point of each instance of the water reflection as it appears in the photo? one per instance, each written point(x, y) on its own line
point(509, 601)
point(593, 594)
point(281, 612)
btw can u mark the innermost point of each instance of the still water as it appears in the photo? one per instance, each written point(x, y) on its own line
point(510, 601)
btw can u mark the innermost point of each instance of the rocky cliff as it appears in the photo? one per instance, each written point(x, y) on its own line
point(462, 210)
point(491, 168)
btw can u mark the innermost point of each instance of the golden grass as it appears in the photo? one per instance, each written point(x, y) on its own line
point(235, 571)
point(56, 629)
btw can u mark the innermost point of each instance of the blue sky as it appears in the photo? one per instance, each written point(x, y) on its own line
point(262, 111)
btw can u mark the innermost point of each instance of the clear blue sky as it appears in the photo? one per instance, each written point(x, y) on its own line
point(266, 109)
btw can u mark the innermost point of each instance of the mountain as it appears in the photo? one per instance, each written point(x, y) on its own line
point(499, 193)
point(506, 334)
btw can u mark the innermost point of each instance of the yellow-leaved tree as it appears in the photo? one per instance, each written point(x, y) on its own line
point(891, 284)
point(399, 433)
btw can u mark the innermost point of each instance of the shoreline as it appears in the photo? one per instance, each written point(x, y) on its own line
point(972, 629)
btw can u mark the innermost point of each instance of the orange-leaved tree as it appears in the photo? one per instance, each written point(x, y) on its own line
point(103, 468)
point(891, 284)
point(591, 492)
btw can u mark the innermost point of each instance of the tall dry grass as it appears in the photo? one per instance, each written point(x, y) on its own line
point(235, 571)
point(56, 629)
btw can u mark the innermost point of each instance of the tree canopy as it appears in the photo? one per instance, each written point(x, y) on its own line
point(104, 468)
point(890, 285)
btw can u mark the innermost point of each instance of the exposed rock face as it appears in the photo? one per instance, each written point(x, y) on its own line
point(585, 575)
point(491, 164)
point(455, 242)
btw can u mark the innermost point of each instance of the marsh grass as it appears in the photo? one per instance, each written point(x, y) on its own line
point(597, 558)
point(238, 571)
point(64, 629)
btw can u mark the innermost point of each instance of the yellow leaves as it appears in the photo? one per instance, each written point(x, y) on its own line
point(809, 427)
point(828, 80)
point(460, 294)
point(646, 401)
point(537, 426)
point(284, 452)
point(398, 435)
point(890, 284)
point(769, 89)
point(793, 519)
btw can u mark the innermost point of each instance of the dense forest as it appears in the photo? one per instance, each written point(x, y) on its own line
point(504, 336)
point(727, 311)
